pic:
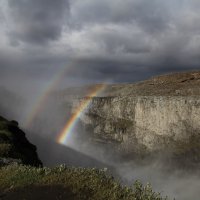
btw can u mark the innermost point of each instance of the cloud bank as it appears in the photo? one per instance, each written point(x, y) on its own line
point(110, 39)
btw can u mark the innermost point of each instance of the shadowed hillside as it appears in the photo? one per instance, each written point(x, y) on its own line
point(20, 182)
point(13, 144)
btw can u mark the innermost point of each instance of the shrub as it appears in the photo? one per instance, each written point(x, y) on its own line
point(83, 183)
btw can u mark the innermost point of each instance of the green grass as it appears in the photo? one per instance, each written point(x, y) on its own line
point(28, 182)
point(83, 183)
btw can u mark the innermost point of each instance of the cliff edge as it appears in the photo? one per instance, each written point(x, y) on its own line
point(159, 114)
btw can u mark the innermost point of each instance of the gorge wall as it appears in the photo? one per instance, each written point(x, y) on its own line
point(158, 114)
point(148, 122)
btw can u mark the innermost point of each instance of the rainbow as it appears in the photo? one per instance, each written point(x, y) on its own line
point(68, 128)
point(41, 99)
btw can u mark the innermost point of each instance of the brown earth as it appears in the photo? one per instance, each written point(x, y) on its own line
point(184, 84)
point(175, 84)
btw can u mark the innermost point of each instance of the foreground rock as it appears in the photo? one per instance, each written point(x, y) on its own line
point(14, 147)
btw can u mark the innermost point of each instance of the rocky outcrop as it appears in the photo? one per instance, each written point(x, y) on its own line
point(154, 115)
point(14, 147)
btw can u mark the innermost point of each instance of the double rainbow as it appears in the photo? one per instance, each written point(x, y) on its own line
point(68, 129)
point(42, 98)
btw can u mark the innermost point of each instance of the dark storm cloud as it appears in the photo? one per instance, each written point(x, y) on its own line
point(109, 39)
point(124, 41)
point(151, 15)
point(161, 33)
point(37, 21)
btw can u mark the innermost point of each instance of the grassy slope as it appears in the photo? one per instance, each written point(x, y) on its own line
point(24, 182)
point(27, 182)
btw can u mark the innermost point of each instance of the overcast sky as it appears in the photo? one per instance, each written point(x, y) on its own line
point(97, 40)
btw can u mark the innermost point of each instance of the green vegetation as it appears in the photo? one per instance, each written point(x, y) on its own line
point(72, 183)
point(32, 181)
point(13, 144)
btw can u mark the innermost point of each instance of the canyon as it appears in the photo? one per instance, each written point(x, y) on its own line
point(159, 114)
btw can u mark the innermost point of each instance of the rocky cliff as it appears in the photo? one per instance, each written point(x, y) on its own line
point(154, 115)
point(14, 146)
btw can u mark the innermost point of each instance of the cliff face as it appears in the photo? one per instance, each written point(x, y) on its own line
point(158, 114)
point(152, 122)
point(14, 147)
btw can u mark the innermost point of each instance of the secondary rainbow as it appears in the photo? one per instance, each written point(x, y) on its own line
point(68, 129)
point(42, 98)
